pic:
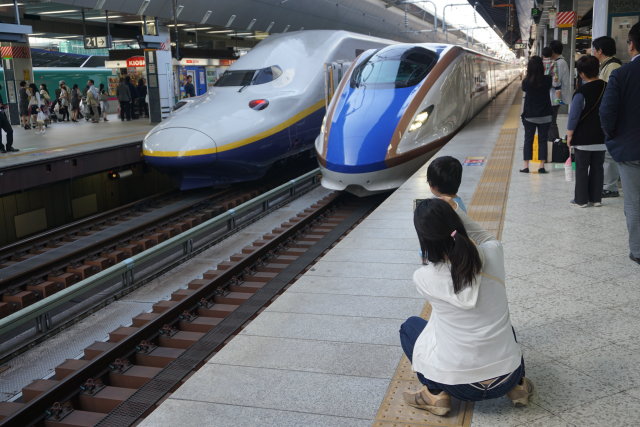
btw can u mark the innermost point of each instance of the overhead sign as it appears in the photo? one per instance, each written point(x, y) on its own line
point(97, 42)
point(520, 46)
point(136, 61)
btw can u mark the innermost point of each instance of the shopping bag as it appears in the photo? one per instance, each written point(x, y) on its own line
point(41, 117)
point(559, 151)
point(569, 173)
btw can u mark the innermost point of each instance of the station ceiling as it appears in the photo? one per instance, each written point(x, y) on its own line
point(249, 20)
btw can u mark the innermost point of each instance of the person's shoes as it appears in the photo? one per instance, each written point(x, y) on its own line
point(610, 193)
point(106, 120)
point(520, 394)
point(542, 170)
point(2, 150)
point(12, 150)
point(437, 404)
point(525, 170)
point(597, 204)
point(632, 258)
point(573, 202)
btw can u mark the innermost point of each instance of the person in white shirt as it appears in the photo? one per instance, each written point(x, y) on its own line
point(468, 348)
point(564, 92)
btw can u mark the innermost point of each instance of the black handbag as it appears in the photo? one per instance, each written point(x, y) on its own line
point(559, 151)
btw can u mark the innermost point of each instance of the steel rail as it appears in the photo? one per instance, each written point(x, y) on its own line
point(40, 310)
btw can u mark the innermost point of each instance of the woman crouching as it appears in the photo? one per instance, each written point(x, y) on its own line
point(468, 348)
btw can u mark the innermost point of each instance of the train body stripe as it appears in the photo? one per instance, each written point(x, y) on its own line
point(301, 115)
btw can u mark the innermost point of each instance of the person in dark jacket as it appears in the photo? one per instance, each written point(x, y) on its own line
point(189, 89)
point(6, 127)
point(134, 96)
point(124, 98)
point(537, 112)
point(620, 120)
point(143, 107)
point(585, 135)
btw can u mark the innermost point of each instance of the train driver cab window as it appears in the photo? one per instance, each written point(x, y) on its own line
point(395, 67)
point(249, 77)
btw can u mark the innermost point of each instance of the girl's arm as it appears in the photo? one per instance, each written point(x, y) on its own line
point(475, 231)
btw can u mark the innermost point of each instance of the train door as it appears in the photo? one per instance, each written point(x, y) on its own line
point(333, 73)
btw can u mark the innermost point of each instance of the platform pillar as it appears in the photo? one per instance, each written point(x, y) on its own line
point(17, 65)
point(151, 62)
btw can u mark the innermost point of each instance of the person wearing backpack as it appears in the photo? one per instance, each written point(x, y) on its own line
point(585, 135)
point(604, 48)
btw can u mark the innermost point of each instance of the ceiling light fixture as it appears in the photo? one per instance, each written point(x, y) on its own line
point(98, 18)
point(58, 12)
point(99, 4)
point(269, 27)
point(206, 17)
point(179, 10)
point(230, 21)
point(251, 24)
point(143, 7)
point(10, 4)
point(220, 32)
point(286, 28)
point(133, 22)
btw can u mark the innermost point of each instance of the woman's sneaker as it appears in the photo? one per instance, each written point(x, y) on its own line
point(437, 404)
point(521, 393)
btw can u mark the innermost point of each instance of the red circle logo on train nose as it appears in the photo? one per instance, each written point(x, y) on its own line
point(259, 104)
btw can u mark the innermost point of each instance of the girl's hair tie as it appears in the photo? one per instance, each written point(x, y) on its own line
point(453, 234)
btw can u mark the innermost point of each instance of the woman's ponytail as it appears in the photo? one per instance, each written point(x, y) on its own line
point(465, 261)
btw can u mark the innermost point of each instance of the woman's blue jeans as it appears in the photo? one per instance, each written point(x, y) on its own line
point(409, 332)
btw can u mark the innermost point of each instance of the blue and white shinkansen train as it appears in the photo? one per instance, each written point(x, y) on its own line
point(266, 107)
point(396, 106)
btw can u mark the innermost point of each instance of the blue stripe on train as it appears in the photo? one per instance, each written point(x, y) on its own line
point(244, 163)
point(372, 115)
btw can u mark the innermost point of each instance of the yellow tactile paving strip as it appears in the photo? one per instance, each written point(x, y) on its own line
point(487, 206)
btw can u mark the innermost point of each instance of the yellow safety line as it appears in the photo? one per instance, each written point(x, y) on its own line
point(301, 115)
point(44, 150)
point(487, 206)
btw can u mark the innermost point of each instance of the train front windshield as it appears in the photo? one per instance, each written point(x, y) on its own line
point(394, 67)
point(249, 77)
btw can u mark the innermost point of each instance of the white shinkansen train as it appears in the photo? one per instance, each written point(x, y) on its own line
point(397, 106)
point(267, 107)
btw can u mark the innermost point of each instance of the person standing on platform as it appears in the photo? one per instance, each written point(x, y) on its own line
point(584, 134)
point(620, 119)
point(93, 100)
point(24, 105)
point(537, 112)
point(468, 348)
point(76, 96)
point(134, 96)
point(124, 98)
point(104, 103)
point(36, 104)
point(563, 92)
point(63, 101)
point(189, 88)
point(143, 108)
point(604, 48)
point(6, 127)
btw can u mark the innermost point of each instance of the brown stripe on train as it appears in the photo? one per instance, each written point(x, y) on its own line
point(322, 159)
point(393, 158)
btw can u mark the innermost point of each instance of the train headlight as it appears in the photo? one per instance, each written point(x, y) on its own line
point(420, 119)
point(258, 104)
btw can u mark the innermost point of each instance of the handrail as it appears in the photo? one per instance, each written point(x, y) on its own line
point(44, 306)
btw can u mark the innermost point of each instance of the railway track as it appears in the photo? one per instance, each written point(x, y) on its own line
point(43, 265)
point(119, 381)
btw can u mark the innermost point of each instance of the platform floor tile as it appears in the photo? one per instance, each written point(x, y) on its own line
point(330, 357)
point(285, 390)
point(224, 415)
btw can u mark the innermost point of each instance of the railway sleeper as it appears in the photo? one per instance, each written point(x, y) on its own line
point(118, 383)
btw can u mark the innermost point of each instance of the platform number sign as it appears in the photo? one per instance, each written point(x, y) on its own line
point(97, 42)
point(520, 46)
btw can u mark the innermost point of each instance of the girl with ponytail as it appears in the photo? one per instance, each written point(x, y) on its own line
point(467, 349)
